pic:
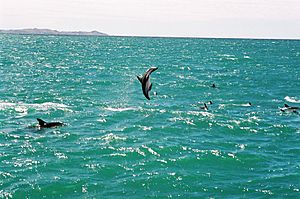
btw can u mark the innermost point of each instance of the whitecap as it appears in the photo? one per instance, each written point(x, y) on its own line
point(207, 114)
point(253, 118)
point(232, 58)
point(203, 113)
point(292, 99)
point(231, 155)
point(48, 105)
point(111, 137)
point(190, 122)
point(241, 146)
point(60, 155)
point(120, 109)
point(19, 108)
point(4, 194)
point(215, 152)
point(118, 154)
point(102, 120)
point(225, 55)
point(162, 161)
point(151, 150)
point(22, 108)
point(197, 113)
point(228, 57)
point(6, 105)
point(146, 128)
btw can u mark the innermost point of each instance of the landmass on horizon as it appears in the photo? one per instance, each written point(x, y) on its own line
point(37, 31)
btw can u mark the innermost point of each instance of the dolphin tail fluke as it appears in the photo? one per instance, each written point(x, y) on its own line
point(205, 106)
point(41, 122)
point(150, 70)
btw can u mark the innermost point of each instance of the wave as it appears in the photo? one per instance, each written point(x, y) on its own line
point(292, 99)
point(50, 105)
point(228, 57)
point(22, 108)
point(107, 138)
point(203, 113)
point(120, 109)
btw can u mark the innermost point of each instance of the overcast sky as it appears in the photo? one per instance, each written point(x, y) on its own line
point(192, 18)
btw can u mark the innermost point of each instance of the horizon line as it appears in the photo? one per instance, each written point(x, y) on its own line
point(139, 36)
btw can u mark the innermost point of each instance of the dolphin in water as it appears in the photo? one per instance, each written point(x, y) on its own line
point(205, 107)
point(44, 124)
point(145, 81)
point(289, 108)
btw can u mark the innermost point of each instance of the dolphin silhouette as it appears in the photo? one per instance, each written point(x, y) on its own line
point(289, 108)
point(44, 124)
point(204, 107)
point(145, 81)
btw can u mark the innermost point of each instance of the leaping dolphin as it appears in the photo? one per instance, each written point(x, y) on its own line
point(145, 81)
point(44, 124)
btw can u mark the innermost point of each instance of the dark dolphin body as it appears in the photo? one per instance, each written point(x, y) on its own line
point(290, 108)
point(145, 81)
point(204, 107)
point(44, 124)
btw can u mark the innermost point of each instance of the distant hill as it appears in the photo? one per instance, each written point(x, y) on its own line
point(36, 31)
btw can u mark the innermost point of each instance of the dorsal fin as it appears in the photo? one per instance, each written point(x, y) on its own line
point(41, 122)
point(285, 105)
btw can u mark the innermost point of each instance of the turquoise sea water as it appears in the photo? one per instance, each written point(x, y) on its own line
point(117, 144)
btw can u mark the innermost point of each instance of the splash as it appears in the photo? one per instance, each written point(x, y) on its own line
point(292, 99)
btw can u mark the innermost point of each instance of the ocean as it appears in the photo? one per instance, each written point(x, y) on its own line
point(117, 144)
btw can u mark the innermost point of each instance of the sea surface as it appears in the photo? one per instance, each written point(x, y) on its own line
point(118, 144)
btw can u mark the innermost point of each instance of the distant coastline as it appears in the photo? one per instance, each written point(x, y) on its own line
point(45, 31)
point(37, 31)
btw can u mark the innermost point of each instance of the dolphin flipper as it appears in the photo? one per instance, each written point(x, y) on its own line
point(150, 87)
point(139, 78)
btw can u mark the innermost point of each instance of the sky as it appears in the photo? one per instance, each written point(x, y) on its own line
point(179, 18)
